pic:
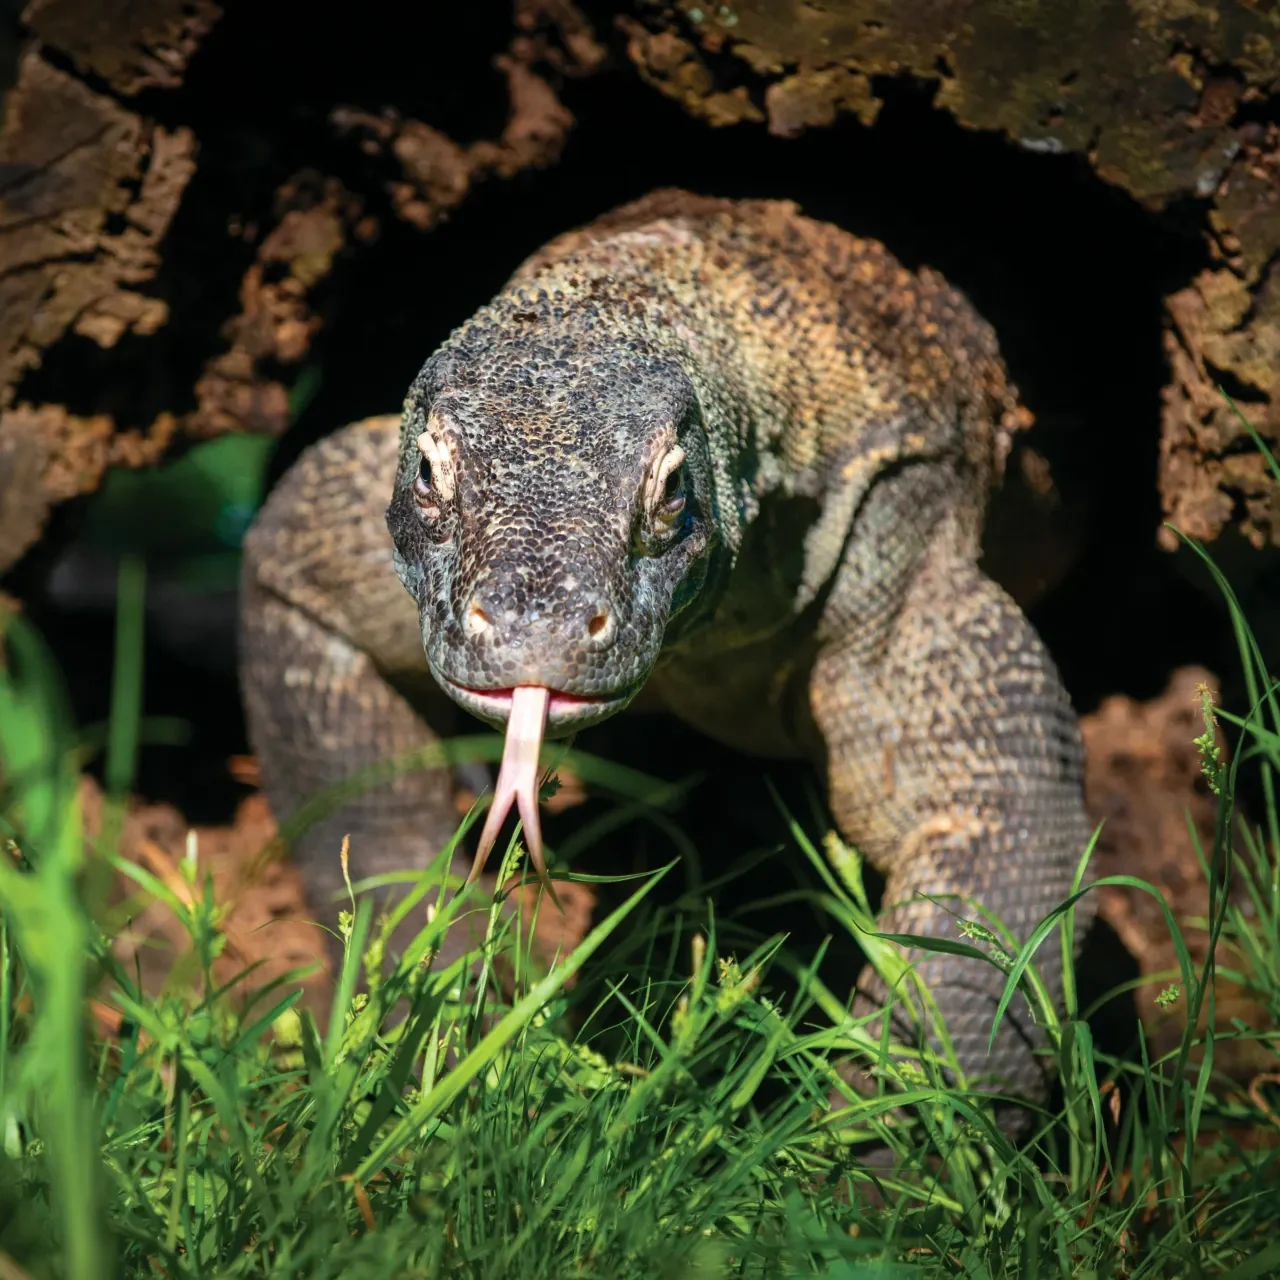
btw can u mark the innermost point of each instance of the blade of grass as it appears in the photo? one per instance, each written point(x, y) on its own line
point(54, 939)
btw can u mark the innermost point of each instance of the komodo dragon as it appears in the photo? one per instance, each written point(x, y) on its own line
point(724, 452)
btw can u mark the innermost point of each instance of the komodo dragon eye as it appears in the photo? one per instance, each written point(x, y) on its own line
point(673, 494)
point(422, 493)
point(664, 497)
point(434, 483)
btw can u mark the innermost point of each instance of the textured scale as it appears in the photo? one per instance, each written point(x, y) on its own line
point(838, 422)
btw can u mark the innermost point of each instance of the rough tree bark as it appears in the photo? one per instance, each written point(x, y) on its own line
point(88, 189)
point(1171, 100)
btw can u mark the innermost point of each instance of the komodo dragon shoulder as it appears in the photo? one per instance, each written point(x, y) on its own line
point(715, 453)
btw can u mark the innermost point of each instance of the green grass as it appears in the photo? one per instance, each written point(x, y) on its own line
point(666, 1115)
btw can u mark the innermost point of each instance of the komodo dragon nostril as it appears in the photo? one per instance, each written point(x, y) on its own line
point(477, 620)
point(603, 628)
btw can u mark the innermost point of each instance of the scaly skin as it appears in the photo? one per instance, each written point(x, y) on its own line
point(728, 453)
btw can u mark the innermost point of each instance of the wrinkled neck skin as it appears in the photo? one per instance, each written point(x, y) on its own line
point(556, 518)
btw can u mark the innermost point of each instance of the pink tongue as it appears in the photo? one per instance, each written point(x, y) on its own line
point(518, 781)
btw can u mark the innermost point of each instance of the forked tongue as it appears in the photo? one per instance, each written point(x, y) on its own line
point(518, 782)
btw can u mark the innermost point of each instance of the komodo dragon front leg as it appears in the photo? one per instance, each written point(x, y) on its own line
point(953, 757)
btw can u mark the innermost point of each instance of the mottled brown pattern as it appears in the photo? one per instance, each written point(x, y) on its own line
point(88, 194)
point(842, 421)
point(132, 45)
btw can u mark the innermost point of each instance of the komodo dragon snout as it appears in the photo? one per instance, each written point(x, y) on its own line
point(551, 515)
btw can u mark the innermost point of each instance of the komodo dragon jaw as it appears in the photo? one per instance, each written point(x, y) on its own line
point(551, 516)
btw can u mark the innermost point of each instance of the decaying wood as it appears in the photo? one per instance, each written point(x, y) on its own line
point(89, 188)
point(1169, 101)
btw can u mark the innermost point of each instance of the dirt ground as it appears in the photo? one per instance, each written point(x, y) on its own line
point(266, 919)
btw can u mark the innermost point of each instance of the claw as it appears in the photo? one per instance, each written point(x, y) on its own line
point(518, 783)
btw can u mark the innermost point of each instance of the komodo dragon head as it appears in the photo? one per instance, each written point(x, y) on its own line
point(553, 513)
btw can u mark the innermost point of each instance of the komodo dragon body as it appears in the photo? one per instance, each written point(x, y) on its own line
point(733, 457)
